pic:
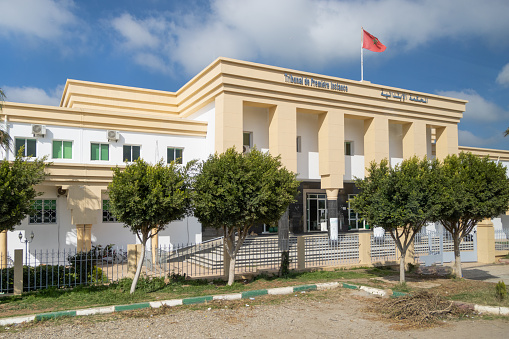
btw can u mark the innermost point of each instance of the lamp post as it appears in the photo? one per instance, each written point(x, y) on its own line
point(26, 241)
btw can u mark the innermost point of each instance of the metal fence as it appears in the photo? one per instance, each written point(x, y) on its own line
point(502, 239)
point(321, 251)
point(383, 248)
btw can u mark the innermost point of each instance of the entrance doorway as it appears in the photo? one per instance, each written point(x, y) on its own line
point(354, 221)
point(316, 211)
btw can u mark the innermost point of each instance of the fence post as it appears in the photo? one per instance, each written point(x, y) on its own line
point(365, 248)
point(18, 272)
point(301, 252)
point(410, 254)
point(3, 249)
point(132, 260)
point(485, 242)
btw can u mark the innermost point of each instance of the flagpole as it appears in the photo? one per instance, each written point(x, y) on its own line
point(362, 54)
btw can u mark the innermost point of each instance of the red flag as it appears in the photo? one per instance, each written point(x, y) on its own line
point(372, 43)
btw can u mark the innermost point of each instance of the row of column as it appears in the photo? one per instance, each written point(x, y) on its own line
point(283, 133)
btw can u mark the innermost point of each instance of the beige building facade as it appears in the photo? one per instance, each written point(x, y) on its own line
point(326, 129)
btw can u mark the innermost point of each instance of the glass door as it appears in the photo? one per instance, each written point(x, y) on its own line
point(316, 212)
point(354, 221)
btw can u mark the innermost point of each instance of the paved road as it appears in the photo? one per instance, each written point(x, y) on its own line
point(490, 273)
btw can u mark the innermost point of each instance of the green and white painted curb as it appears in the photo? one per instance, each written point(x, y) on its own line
point(233, 296)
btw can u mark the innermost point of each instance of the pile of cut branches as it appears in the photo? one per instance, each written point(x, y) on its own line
point(419, 308)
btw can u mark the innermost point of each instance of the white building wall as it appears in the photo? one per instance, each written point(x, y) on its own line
point(256, 120)
point(354, 165)
point(207, 114)
point(307, 159)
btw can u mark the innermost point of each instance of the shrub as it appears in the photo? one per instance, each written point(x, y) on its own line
point(500, 290)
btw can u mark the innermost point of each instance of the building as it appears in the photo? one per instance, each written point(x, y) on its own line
point(326, 129)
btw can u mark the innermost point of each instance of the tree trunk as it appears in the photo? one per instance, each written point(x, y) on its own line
point(457, 257)
point(138, 269)
point(231, 273)
point(402, 267)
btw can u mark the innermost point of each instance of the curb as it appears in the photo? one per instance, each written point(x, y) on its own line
point(234, 296)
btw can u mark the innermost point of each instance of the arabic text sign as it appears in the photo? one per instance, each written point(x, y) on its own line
point(403, 96)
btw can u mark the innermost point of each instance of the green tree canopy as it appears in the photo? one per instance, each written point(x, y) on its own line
point(234, 191)
point(5, 138)
point(400, 200)
point(473, 189)
point(146, 198)
point(17, 181)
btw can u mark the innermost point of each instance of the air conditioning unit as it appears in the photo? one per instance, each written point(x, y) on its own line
point(38, 130)
point(246, 149)
point(113, 135)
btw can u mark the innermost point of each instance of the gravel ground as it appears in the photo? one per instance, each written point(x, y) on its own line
point(331, 314)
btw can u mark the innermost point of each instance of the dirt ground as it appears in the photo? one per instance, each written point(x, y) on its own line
point(338, 313)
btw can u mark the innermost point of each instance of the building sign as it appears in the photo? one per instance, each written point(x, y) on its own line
point(310, 82)
point(403, 96)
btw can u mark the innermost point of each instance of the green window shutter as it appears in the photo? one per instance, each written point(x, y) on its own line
point(127, 154)
point(171, 154)
point(18, 144)
point(105, 152)
point(136, 152)
point(94, 152)
point(57, 149)
point(31, 148)
point(67, 146)
point(178, 155)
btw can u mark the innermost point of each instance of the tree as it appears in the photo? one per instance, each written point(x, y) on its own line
point(401, 200)
point(146, 198)
point(473, 189)
point(234, 191)
point(506, 133)
point(17, 181)
point(5, 138)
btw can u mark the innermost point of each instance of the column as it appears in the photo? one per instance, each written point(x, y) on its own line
point(485, 242)
point(331, 149)
point(3, 249)
point(376, 140)
point(332, 212)
point(447, 141)
point(229, 122)
point(155, 246)
point(283, 134)
point(414, 139)
point(84, 237)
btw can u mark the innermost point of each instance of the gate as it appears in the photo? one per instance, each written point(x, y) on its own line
point(437, 247)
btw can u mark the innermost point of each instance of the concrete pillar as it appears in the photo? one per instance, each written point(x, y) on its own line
point(414, 139)
point(283, 134)
point(376, 140)
point(331, 149)
point(133, 255)
point(447, 141)
point(18, 272)
point(365, 248)
point(229, 122)
point(332, 213)
point(84, 238)
point(485, 242)
point(155, 246)
point(3, 249)
point(301, 253)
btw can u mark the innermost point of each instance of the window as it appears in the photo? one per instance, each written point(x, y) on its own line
point(348, 148)
point(299, 144)
point(175, 154)
point(107, 215)
point(29, 144)
point(62, 149)
point(100, 152)
point(247, 139)
point(45, 212)
point(131, 153)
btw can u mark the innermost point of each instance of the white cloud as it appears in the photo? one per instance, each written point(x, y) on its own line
point(467, 138)
point(41, 19)
point(503, 76)
point(33, 95)
point(478, 108)
point(310, 32)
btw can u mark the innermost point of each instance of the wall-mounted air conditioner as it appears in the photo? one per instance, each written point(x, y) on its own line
point(38, 130)
point(113, 135)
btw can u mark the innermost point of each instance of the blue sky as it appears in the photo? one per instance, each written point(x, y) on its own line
point(457, 48)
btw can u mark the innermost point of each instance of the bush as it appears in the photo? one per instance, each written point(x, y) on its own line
point(500, 290)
